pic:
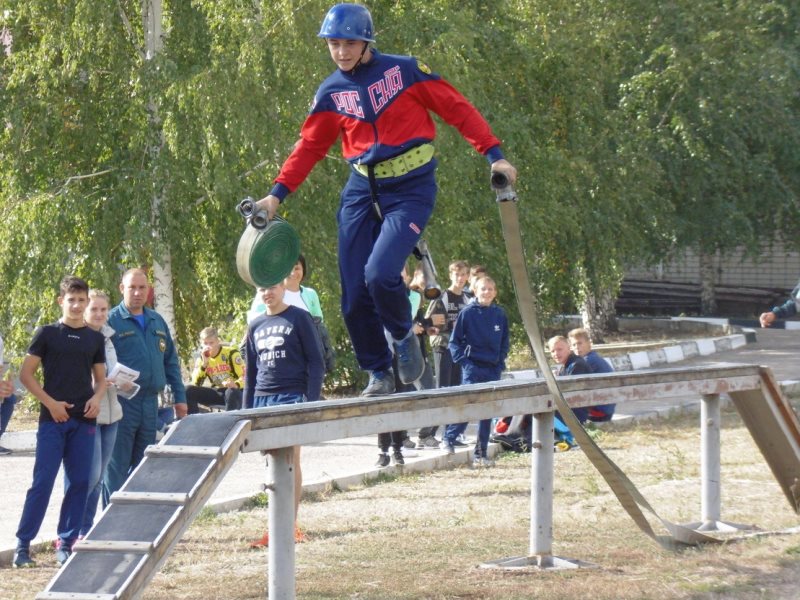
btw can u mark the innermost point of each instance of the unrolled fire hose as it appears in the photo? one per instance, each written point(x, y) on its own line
point(626, 492)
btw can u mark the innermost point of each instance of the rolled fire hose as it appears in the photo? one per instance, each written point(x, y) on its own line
point(267, 250)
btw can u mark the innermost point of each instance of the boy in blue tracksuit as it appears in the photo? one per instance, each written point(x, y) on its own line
point(7, 398)
point(479, 344)
point(72, 356)
point(380, 106)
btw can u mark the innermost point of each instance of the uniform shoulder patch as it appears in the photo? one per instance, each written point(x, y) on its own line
point(423, 67)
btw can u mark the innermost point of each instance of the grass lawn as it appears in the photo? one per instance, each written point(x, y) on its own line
point(424, 536)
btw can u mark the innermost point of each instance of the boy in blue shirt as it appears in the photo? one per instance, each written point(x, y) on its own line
point(72, 356)
point(479, 344)
point(784, 311)
point(283, 365)
point(581, 344)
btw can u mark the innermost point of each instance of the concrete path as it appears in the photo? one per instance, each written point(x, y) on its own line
point(345, 463)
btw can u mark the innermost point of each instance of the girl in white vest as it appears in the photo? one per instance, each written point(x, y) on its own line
point(96, 317)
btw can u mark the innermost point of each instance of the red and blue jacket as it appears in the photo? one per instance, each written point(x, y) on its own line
point(381, 111)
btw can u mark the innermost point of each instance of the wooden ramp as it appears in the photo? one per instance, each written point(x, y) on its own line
point(776, 431)
point(147, 517)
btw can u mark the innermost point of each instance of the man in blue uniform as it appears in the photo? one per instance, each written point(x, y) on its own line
point(143, 343)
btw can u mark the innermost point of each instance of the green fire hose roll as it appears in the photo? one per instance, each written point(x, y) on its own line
point(265, 257)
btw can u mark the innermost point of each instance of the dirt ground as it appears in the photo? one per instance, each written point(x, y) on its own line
point(425, 536)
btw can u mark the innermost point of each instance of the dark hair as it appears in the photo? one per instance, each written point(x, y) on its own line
point(302, 260)
point(71, 284)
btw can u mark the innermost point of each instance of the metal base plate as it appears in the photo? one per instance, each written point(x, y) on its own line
point(720, 526)
point(536, 563)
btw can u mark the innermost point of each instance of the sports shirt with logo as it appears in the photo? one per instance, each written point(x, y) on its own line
point(380, 111)
point(283, 356)
point(225, 366)
point(68, 355)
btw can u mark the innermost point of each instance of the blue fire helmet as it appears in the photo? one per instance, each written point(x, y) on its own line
point(347, 22)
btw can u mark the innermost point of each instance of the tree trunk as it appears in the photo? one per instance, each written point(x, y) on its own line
point(152, 14)
point(163, 286)
point(708, 297)
point(598, 315)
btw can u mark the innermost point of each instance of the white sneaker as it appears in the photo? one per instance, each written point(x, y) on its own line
point(160, 433)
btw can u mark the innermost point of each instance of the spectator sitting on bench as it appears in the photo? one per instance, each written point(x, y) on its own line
point(223, 367)
point(581, 344)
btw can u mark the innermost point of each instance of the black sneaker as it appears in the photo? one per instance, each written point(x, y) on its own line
point(506, 442)
point(459, 444)
point(4, 451)
point(383, 460)
point(398, 457)
point(22, 559)
point(410, 364)
point(381, 383)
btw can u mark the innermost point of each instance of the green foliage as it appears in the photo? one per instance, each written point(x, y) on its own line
point(715, 102)
point(206, 516)
point(635, 127)
point(260, 500)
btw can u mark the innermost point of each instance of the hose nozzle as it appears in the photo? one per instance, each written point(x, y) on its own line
point(246, 207)
point(255, 217)
point(502, 187)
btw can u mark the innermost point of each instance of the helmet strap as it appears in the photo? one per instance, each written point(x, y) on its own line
point(361, 56)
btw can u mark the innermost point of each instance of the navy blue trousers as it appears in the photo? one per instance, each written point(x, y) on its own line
point(73, 443)
point(472, 373)
point(6, 410)
point(372, 253)
point(135, 432)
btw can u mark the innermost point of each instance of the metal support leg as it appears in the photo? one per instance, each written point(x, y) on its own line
point(542, 453)
point(280, 475)
point(710, 470)
point(541, 531)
